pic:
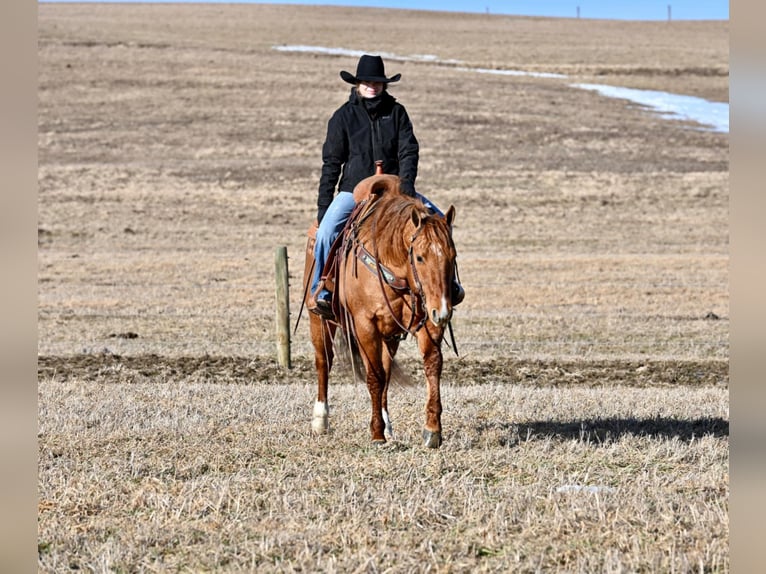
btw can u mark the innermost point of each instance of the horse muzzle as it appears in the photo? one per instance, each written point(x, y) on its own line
point(441, 316)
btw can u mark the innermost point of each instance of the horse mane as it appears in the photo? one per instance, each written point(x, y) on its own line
point(392, 217)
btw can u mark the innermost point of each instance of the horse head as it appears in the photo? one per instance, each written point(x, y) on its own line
point(432, 262)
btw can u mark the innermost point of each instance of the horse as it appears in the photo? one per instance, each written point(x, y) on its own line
point(390, 275)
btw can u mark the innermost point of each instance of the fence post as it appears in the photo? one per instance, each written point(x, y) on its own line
point(283, 308)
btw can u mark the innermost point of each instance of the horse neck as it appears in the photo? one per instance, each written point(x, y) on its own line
point(390, 233)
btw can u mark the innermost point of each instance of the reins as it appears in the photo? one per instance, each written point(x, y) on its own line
point(414, 297)
point(306, 288)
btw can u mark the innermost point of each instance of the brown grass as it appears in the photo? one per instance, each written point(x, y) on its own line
point(196, 476)
point(178, 149)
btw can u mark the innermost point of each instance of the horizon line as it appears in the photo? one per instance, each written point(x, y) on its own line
point(667, 18)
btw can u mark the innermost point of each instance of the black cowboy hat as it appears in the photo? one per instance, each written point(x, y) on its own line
point(369, 69)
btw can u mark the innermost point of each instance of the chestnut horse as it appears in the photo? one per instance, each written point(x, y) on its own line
point(393, 270)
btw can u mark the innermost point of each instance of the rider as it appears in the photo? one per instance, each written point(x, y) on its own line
point(370, 126)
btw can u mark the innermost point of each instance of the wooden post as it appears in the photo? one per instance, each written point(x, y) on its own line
point(283, 308)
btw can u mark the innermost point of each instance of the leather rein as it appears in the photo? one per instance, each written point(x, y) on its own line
point(416, 295)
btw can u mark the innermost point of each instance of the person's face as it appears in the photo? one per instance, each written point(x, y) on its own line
point(370, 89)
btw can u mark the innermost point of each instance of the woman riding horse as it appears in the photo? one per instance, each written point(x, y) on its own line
point(371, 126)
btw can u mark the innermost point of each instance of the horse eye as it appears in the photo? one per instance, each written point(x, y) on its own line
point(419, 258)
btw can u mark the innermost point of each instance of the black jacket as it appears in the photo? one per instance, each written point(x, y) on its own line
point(356, 138)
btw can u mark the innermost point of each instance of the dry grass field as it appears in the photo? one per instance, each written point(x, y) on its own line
point(586, 418)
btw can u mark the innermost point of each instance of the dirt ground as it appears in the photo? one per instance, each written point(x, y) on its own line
point(178, 149)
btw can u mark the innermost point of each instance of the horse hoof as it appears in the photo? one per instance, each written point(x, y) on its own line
point(319, 426)
point(379, 442)
point(432, 439)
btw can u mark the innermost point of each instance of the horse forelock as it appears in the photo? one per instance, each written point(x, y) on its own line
point(438, 231)
point(437, 238)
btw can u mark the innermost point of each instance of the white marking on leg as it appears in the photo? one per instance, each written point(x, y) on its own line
point(320, 423)
point(389, 430)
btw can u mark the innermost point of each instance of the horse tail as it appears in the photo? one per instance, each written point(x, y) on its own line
point(347, 349)
point(400, 377)
point(351, 360)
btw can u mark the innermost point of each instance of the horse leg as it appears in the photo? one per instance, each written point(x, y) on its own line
point(321, 337)
point(388, 359)
point(372, 352)
point(432, 365)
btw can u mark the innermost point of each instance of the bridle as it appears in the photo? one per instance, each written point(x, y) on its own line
point(420, 297)
point(415, 276)
point(417, 297)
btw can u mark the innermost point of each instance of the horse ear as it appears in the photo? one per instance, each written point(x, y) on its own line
point(450, 215)
point(416, 219)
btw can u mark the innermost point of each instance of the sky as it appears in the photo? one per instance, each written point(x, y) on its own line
point(602, 9)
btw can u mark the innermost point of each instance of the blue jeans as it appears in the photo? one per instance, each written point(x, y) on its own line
point(332, 224)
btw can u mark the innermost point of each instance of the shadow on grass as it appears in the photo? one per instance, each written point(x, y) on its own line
point(607, 429)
